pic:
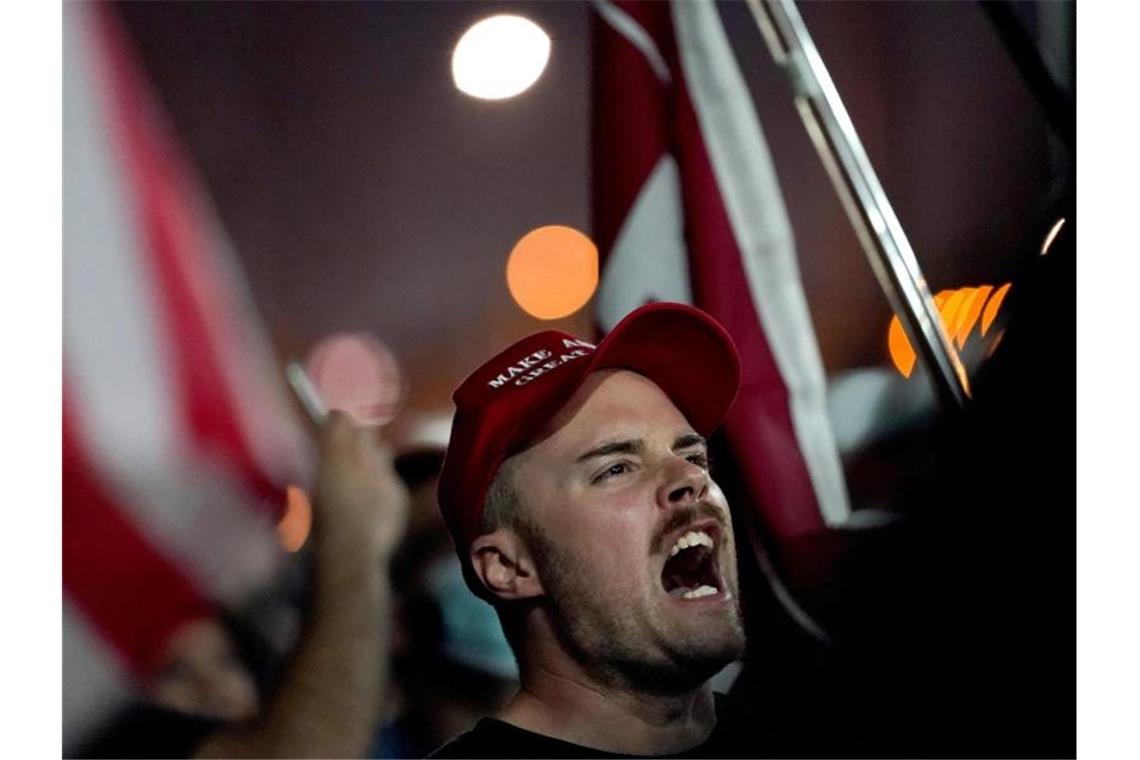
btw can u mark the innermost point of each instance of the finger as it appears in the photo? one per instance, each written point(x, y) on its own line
point(337, 434)
point(375, 449)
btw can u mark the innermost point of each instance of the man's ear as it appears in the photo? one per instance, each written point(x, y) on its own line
point(503, 563)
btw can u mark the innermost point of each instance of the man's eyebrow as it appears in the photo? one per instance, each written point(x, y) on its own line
point(613, 447)
point(689, 440)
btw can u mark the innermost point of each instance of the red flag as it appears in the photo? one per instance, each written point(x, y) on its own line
point(178, 438)
point(688, 208)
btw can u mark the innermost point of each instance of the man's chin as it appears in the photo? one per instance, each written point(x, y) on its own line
point(702, 657)
point(720, 654)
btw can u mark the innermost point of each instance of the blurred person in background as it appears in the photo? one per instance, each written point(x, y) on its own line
point(213, 671)
point(451, 664)
point(204, 673)
point(204, 698)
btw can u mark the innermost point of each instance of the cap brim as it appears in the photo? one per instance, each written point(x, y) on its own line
point(685, 352)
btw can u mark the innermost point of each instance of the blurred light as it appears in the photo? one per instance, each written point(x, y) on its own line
point(971, 317)
point(553, 271)
point(952, 309)
point(500, 57)
point(993, 306)
point(960, 328)
point(357, 374)
point(1052, 236)
point(902, 354)
point(959, 311)
point(995, 342)
point(297, 521)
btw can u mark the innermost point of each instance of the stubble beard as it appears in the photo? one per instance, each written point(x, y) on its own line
point(626, 645)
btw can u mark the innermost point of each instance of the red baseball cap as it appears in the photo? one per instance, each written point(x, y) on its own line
point(502, 405)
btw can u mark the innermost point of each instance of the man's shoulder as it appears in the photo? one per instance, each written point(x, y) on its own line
point(488, 738)
point(473, 743)
point(739, 732)
point(492, 738)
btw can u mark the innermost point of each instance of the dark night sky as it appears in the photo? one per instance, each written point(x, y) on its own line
point(362, 191)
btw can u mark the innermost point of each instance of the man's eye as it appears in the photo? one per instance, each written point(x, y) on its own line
point(615, 469)
point(700, 459)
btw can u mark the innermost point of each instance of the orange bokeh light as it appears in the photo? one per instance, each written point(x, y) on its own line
point(552, 271)
point(959, 311)
point(293, 530)
point(951, 310)
point(993, 306)
point(901, 352)
point(971, 315)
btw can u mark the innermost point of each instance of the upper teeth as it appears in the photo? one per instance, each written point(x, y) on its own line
point(692, 538)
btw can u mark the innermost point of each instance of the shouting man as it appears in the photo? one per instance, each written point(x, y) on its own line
point(577, 490)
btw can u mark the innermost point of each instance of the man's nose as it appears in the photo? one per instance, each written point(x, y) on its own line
point(684, 484)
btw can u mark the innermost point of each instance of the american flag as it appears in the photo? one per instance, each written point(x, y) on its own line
point(178, 438)
point(687, 208)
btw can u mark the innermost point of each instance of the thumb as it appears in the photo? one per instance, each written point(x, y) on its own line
point(336, 433)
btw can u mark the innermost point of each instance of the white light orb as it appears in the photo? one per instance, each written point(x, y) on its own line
point(500, 57)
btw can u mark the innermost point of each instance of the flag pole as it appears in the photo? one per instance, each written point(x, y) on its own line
point(876, 225)
point(306, 393)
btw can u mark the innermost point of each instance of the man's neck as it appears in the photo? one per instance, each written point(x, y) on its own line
point(566, 704)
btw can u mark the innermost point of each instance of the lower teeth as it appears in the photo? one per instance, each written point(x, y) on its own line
point(698, 592)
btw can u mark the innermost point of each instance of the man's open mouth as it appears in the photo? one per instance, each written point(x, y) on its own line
point(692, 571)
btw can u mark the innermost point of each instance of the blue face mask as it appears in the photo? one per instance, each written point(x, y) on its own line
point(472, 635)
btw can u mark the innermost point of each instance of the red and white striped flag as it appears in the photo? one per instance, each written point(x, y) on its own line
point(178, 438)
point(688, 208)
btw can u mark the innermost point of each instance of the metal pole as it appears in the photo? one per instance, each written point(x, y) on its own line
point(876, 225)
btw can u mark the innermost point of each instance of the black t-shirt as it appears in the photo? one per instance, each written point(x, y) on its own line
point(733, 736)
